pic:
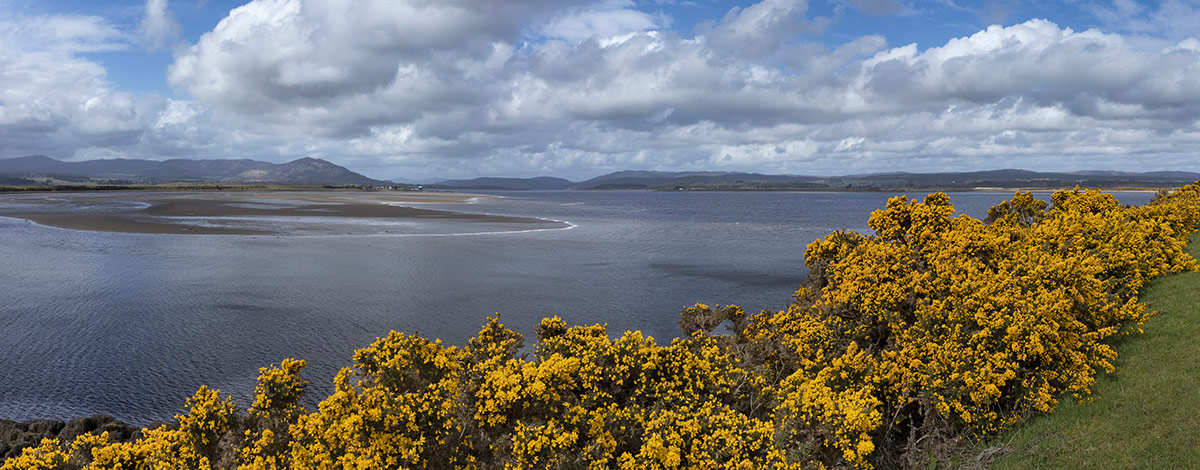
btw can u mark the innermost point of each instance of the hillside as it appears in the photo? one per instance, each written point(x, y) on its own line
point(305, 171)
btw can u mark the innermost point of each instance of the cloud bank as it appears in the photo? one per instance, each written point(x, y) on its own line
point(464, 88)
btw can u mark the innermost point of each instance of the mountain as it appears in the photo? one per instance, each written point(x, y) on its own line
point(538, 183)
point(317, 171)
point(32, 164)
point(305, 171)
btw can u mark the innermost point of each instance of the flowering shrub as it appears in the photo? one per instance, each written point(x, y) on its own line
point(932, 327)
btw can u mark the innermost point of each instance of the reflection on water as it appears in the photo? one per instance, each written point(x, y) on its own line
point(130, 325)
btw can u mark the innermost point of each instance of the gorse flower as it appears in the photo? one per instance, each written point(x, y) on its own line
point(933, 326)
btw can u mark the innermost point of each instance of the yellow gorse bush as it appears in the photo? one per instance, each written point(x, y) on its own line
point(932, 327)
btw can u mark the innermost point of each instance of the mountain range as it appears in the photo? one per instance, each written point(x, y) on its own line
point(734, 181)
point(40, 169)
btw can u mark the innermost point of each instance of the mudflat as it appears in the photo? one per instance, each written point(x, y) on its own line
point(261, 213)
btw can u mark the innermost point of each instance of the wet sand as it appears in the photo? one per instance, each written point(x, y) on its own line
point(259, 213)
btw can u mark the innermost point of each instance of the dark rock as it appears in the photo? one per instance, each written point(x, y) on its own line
point(117, 430)
point(43, 427)
point(163, 425)
point(15, 437)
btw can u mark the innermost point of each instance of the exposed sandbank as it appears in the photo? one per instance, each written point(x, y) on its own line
point(261, 213)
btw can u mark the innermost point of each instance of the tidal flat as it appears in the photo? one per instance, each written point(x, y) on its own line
point(312, 213)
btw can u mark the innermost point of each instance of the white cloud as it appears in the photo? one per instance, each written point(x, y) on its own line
point(608, 19)
point(159, 28)
point(343, 67)
point(54, 101)
point(746, 86)
point(424, 88)
point(761, 28)
point(1089, 73)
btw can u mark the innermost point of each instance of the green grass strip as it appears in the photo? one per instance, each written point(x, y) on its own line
point(1144, 415)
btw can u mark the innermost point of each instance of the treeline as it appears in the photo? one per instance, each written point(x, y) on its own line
point(931, 329)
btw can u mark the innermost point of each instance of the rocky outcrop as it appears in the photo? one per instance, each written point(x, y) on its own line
point(15, 436)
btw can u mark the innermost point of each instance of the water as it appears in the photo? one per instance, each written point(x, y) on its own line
point(131, 325)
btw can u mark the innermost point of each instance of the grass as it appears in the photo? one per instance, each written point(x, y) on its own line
point(1144, 415)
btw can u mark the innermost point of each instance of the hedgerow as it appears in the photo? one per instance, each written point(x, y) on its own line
point(935, 327)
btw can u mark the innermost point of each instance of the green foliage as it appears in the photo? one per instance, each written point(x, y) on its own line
point(1144, 414)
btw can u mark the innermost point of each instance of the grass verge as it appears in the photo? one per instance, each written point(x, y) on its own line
point(1144, 415)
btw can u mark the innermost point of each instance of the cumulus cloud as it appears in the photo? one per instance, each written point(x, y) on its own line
point(54, 101)
point(603, 86)
point(423, 88)
point(1088, 74)
point(761, 28)
point(340, 68)
point(609, 19)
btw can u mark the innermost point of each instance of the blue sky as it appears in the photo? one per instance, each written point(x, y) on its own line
point(419, 90)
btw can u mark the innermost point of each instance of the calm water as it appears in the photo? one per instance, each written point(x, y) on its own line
point(131, 325)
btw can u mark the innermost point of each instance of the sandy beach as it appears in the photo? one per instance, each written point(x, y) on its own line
point(260, 213)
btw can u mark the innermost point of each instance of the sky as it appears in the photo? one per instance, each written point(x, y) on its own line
point(420, 90)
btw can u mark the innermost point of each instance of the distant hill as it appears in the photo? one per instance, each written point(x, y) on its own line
point(733, 181)
point(305, 171)
point(37, 169)
point(523, 184)
point(667, 180)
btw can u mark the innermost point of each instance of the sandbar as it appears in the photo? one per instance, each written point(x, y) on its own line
point(262, 213)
